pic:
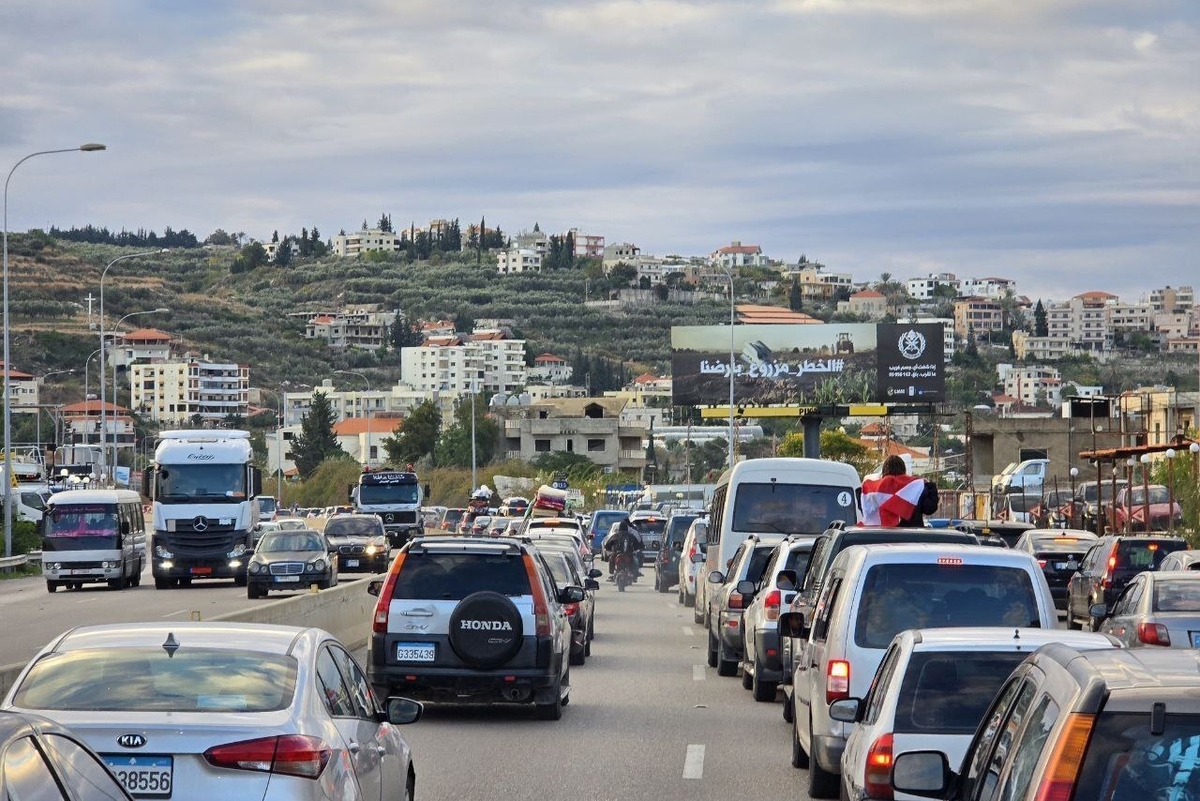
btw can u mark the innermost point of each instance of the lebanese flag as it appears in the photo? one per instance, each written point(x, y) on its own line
point(890, 500)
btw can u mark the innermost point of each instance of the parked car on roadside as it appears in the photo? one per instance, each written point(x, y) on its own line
point(932, 689)
point(666, 563)
point(199, 711)
point(290, 560)
point(1156, 608)
point(1108, 566)
point(1145, 508)
point(1101, 725)
point(1092, 500)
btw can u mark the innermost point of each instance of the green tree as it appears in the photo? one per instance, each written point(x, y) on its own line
point(575, 467)
point(836, 445)
point(385, 223)
point(622, 274)
point(283, 254)
point(405, 334)
point(417, 438)
point(454, 447)
point(1041, 327)
point(316, 441)
point(795, 298)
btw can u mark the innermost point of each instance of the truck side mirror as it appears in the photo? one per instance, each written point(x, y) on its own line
point(147, 481)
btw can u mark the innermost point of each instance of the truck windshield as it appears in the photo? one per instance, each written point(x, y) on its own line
point(201, 483)
point(387, 493)
point(81, 527)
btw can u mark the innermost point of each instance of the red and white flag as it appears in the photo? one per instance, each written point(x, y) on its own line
point(890, 500)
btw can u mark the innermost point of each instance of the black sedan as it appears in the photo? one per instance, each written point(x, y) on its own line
point(360, 542)
point(41, 758)
point(290, 560)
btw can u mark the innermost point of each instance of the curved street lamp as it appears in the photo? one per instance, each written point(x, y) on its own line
point(86, 148)
point(112, 473)
point(732, 314)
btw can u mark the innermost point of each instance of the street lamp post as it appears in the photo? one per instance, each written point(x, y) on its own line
point(1129, 465)
point(38, 427)
point(366, 460)
point(1074, 471)
point(103, 420)
point(86, 148)
point(1170, 454)
point(112, 473)
point(728, 270)
point(1145, 493)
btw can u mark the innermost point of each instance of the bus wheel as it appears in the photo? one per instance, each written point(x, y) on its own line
point(51, 586)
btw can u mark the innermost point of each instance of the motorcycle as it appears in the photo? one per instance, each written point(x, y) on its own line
point(623, 571)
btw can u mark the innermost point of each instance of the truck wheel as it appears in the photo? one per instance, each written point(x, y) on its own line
point(119, 583)
point(51, 586)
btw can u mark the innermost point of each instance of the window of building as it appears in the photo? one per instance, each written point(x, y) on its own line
point(541, 445)
point(595, 446)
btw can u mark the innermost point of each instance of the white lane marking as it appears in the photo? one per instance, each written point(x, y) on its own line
point(697, 672)
point(179, 612)
point(693, 763)
point(689, 631)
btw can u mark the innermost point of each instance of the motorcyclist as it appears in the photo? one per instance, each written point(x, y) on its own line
point(625, 540)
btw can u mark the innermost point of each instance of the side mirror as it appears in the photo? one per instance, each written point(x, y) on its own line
point(400, 711)
point(124, 528)
point(697, 558)
point(921, 772)
point(1098, 611)
point(374, 587)
point(591, 584)
point(716, 577)
point(787, 580)
point(792, 624)
point(572, 595)
point(845, 710)
point(746, 588)
point(595, 572)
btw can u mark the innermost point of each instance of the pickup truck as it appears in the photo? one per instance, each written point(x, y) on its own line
point(1026, 478)
point(1134, 505)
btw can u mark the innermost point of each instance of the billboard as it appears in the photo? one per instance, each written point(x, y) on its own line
point(827, 363)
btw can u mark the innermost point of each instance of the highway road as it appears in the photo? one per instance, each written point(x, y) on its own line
point(648, 719)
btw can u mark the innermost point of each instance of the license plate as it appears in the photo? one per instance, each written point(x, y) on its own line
point(415, 652)
point(351, 563)
point(1060, 565)
point(288, 578)
point(1195, 635)
point(142, 776)
point(201, 571)
point(83, 572)
point(1072, 566)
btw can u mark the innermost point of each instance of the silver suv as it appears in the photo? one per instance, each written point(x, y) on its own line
point(729, 595)
point(762, 669)
point(472, 620)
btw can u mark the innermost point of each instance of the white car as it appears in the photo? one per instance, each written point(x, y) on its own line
point(694, 543)
point(930, 692)
point(198, 711)
point(762, 670)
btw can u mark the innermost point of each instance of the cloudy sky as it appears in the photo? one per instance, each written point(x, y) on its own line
point(1056, 142)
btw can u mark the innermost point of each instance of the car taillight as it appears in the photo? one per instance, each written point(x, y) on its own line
point(771, 604)
point(737, 600)
point(877, 778)
point(1066, 759)
point(837, 680)
point(380, 621)
point(1153, 634)
point(1106, 580)
point(1042, 563)
point(290, 754)
point(571, 609)
point(541, 610)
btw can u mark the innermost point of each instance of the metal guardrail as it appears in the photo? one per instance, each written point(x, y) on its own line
point(10, 562)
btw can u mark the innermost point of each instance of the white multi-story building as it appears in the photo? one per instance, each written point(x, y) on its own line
point(367, 327)
point(142, 345)
point(991, 287)
point(619, 252)
point(923, 288)
point(736, 254)
point(1082, 321)
point(550, 369)
point(22, 390)
point(482, 362)
point(362, 241)
point(590, 246)
point(1128, 318)
point(518, 260)
point(1031, 385)
point(175, 393)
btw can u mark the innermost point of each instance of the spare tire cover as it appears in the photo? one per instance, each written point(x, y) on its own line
point(485, 629)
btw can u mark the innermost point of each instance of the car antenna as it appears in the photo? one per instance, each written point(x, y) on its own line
point(171, 645)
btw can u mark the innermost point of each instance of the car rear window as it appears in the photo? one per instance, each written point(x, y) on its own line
point(1145, 554)
point(679, 527)
point(151, 680)
point(759, 560)
point(454, 576)
point(949, 692)
point(777, 508)
point(352, 527)
point(653, 526)
point(1176, 596)
point(1128, 761)
point(896, 597)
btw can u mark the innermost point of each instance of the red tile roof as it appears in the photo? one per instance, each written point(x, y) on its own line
point(353, 426)
point(146, 335)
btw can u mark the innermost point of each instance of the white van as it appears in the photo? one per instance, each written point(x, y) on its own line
point(777, 496)
point(91, 536)
point(873, 592)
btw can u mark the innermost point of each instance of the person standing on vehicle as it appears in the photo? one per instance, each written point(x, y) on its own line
point(896, 498)
point(625, 540)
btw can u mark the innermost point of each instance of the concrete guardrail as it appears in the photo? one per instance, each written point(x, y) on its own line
point(344, 611)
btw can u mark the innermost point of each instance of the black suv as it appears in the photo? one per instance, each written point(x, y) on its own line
point(666, 566)
point(1108, 566)
point(472, 620)
point(360, 541)
point(1104, 725)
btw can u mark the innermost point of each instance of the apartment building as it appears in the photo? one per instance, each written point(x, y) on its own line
point(817, 285)
point(82, 424)
point(1123, 319)
point(588, 246)
point(22, 390)
point(619, 252)
point(142, 345)
point(1083, 321)
point(550, 369)
point(924, 288)
point(977, 315)
point(485, 362)
point(591, 427)
point(362, 241)
point(367, 327)
point(736, 255)
point(537, 241)
point(1031, 385)
point(989, 287)
point(518, 260)
point(173, 393)
point(1172, 301)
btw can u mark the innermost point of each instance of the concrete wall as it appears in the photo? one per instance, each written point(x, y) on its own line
point(344, 611)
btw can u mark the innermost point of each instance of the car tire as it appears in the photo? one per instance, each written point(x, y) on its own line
point(712, 650)
point(119, 583)
point(747, 678)
point(799, 755)
point(763, 691)
point(1072, 623)
point(578, 658)
point(136, 579)
point(410, 787)
point(253, 592)
point(51, 586)
point(482, 648)
point(553, 710)
point(821, 783)
point(163, 583)
point(664, 586)
point(689, 600)
point(697, 613)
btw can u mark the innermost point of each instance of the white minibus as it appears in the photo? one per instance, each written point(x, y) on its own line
point(91, 536)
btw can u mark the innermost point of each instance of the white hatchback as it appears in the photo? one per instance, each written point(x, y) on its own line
point(931, 691)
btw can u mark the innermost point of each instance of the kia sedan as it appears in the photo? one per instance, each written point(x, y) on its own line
point(198, 711)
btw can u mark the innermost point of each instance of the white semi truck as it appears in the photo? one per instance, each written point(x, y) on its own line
point(202, 486)
point(395, 496)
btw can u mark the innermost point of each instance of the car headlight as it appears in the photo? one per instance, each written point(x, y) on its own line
point(317, 565)
point(237, 551)
point(257, 567)
point(163, 553)
point(371, 550)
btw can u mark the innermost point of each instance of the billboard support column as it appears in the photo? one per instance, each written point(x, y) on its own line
point(812, 435)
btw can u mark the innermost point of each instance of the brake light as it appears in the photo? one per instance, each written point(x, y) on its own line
point(737, 600)
point(771, 604)
point(949, 560)
point(877, 778)
point(837, 680)
point(541, 610)
point(1041, 563)
point(1106, 580)
point(1153, 634)
point(1066, 758)
point(380, 622)
point(289, 754)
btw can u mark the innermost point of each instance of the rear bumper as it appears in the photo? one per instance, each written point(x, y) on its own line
point(827, 751)
point(767, 665)
point(464, 686)
point(731, 633)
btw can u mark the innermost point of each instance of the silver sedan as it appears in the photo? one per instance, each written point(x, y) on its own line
point(1156, 608)
point(223, 710)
